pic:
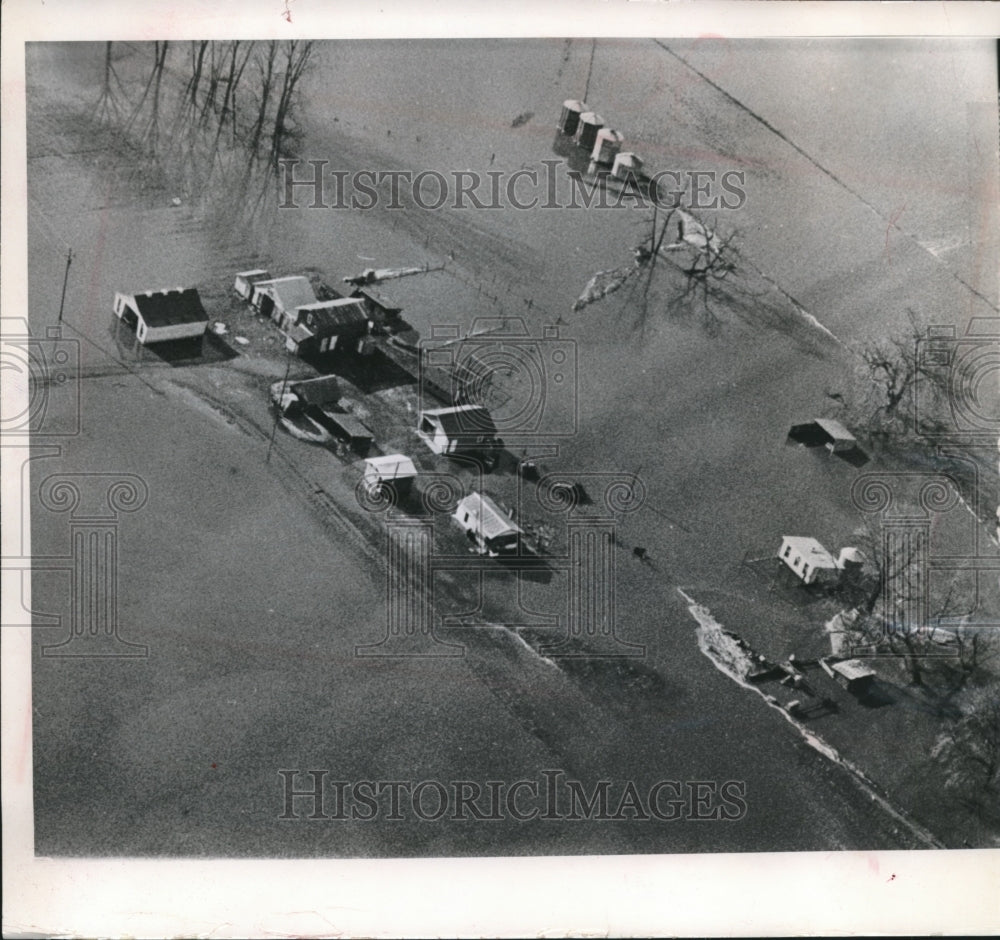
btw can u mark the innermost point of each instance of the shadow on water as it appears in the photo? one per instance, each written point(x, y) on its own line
point(374, 372)
point(208, 349)
point(877, 694)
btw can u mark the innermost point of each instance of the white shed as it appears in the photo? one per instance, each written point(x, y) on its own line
point(245, 281)
point(456, 429)
point(395, 471)
point(808, 559)
point(487, 525)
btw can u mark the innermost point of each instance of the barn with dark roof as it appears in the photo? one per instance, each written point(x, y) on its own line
point(162, 315)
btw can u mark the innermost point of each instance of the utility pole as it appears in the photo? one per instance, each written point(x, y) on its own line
point(62, 300)
point(277, 414)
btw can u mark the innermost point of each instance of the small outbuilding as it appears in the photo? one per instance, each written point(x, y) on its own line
point(854, 675)
point(586, 130)
point(279, 298)
point(395, 472)
point(163, 315)
point(808, 559)
point(246, 280)
point(461, 428)
point(606, 145)
point(346, 428)
point(569, 119)
point(825, 432)
point(487, 526)
point(627, 166)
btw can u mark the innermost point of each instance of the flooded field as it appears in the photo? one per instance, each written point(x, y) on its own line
point(252, 575)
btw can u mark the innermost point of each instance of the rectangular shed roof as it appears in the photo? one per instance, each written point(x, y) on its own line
point(170, 307)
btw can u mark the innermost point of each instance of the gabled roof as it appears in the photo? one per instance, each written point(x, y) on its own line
point(462, 420)
point(835, 429)
point(289, 292)
point(170, 307)
point(381, 296)
point(811, 551)
point(324, 390)
point(334, 316)
point(491, 520)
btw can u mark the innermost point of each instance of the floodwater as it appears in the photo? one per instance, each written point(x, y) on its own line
point(861, 201)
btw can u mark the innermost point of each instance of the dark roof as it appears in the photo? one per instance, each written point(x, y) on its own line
point(380, 296)
point(474, 420)
point(322, 391)
point(334, 317)
point(171, 307)
point(350, 425)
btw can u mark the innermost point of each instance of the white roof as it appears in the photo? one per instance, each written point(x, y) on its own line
point(252, 273)
point(811, 550)
point(327, 304)
point(390, 467)
point(852, 669)
point(835, 429)
point(491, 520)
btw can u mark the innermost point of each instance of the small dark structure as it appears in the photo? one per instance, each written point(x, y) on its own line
point(824, 432)
point(346, 428)
point(326, 326)
point(854, 676)
point(318, 393)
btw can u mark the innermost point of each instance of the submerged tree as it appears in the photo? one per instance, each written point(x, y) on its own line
point(969, 748)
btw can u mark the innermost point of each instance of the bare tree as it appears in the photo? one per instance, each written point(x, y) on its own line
point(969, 748)
point(883, 399)
point(702, 258)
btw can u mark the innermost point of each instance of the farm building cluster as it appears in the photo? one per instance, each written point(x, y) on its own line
point(315, 322)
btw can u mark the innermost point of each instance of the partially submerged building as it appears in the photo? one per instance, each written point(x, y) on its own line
point(163, 315)
point(279, 298)
point(326, 326)
point(812, 563)
point(487, 526)
point(824, 432)
point(247, 280)
point(458, 429)
point(393, 472)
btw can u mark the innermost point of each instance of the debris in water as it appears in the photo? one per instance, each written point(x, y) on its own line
point(219, 328)
point(522, 118)
point(175, 201)
point(242, 340)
